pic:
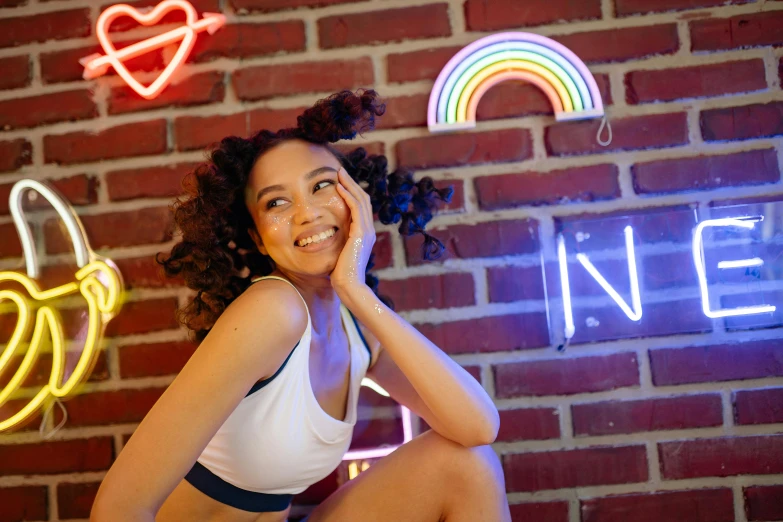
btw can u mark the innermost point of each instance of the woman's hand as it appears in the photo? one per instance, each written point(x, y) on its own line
point(352, 263)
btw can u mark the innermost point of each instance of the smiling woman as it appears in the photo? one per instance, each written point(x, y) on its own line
point(277, 238)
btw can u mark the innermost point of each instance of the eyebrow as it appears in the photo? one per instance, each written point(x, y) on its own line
point(310, 175)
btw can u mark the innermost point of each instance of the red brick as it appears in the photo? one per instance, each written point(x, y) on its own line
point(721, 457)
point(758, 406)
point(489, 334)
point(274, 119)
point(473, 148)
point(144, 272)
point(760, 120)
point(372, 433)
point(57, 25)
point(16, 72)
point(78, 190)
point(675, 413)
point(276, 5)
point(631, 7)
point(383, 251)
point(388, 25)
point(741, 31)
point(514, 283)
point(121, 141)
point(269, 81)
point(418, 65)
point(575, 468)
point(14, 154)
point(715, 363)
point(41, 370)
point(620, 45)
point(12, 247)
point(540, 512)
point(154, 359)
point(198, 132)
point(763, 503)
point(483, 15)
point(701, 505)
point(144, 316)
point(566, 376)
point(404, 111)
point(488, 239)
point(457, 203)
point(66, 456)
point(74, 500)
point(111, 407)
point(20, 113)
point(150, 182)
point(199, 89)
point(250, 40)
point(64, 66)
point(755, 167)
point(594, 183)
point(24, 503)
point(630, 133)
point(373, 148)
point(115, 229)
point(529, 424)
point(438, 291)
point(698, 81)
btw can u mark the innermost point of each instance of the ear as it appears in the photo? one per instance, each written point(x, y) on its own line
point(257, 240)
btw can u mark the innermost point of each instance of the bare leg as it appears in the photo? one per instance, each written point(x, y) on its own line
point(429, 479)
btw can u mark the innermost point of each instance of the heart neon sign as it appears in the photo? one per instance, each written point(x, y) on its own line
point(97, 65)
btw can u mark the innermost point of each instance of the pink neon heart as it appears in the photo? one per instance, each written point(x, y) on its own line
point(148, 19)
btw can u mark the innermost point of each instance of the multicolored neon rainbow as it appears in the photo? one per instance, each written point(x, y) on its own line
point(550, 66)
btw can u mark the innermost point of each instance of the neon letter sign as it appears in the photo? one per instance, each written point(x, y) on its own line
point(96, 65)
point(701, 267)
point(97, 279)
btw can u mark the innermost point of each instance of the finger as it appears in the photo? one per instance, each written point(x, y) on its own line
point(361, 196)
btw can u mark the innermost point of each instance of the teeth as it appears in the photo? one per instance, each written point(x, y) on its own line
point(316, 238)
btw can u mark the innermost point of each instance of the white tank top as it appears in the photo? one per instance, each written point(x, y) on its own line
point(279, 440)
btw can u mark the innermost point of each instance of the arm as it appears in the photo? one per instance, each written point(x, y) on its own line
point(421, 377)
point(249, 341)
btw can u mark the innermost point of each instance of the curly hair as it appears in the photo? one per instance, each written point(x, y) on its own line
point(216, 256)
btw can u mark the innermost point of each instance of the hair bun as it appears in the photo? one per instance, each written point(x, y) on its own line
point(340, 116)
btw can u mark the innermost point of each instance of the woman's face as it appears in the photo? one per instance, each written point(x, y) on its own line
point(292, 195)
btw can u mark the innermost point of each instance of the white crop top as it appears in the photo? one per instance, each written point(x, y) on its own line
point(279, 440)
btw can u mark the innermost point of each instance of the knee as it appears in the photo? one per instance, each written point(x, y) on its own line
point(469, 466)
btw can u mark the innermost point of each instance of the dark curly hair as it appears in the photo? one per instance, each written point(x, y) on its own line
point(217, 257)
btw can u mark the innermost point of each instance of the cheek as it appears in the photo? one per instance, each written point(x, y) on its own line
point(275, 227)
point(339, 207)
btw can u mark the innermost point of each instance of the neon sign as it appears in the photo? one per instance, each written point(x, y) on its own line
point(97, 65)
point(359, 459)
point(725, 255)
point(541, 61)
point(97, 280)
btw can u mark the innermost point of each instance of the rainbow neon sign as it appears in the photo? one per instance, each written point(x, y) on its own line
point(98, 281)
point(550, 66)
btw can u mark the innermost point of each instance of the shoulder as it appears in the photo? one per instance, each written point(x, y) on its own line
point(269, 312)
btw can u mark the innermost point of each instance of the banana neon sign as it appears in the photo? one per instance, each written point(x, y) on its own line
point(97, 279)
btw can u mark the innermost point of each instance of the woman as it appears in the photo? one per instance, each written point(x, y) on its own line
point(251, 421)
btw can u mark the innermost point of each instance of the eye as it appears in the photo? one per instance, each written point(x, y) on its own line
point(270, 205)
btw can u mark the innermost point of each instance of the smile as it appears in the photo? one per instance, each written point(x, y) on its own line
point(318, 242)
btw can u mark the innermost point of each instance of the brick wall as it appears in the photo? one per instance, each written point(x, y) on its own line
point(671, 428)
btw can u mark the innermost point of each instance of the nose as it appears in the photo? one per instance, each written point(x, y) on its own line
point(307, 211)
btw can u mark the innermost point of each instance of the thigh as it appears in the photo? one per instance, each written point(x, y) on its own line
point(410, 484)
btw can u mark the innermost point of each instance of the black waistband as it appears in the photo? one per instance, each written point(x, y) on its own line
point(215, 487)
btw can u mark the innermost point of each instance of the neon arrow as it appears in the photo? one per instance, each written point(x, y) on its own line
point(97, 65)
